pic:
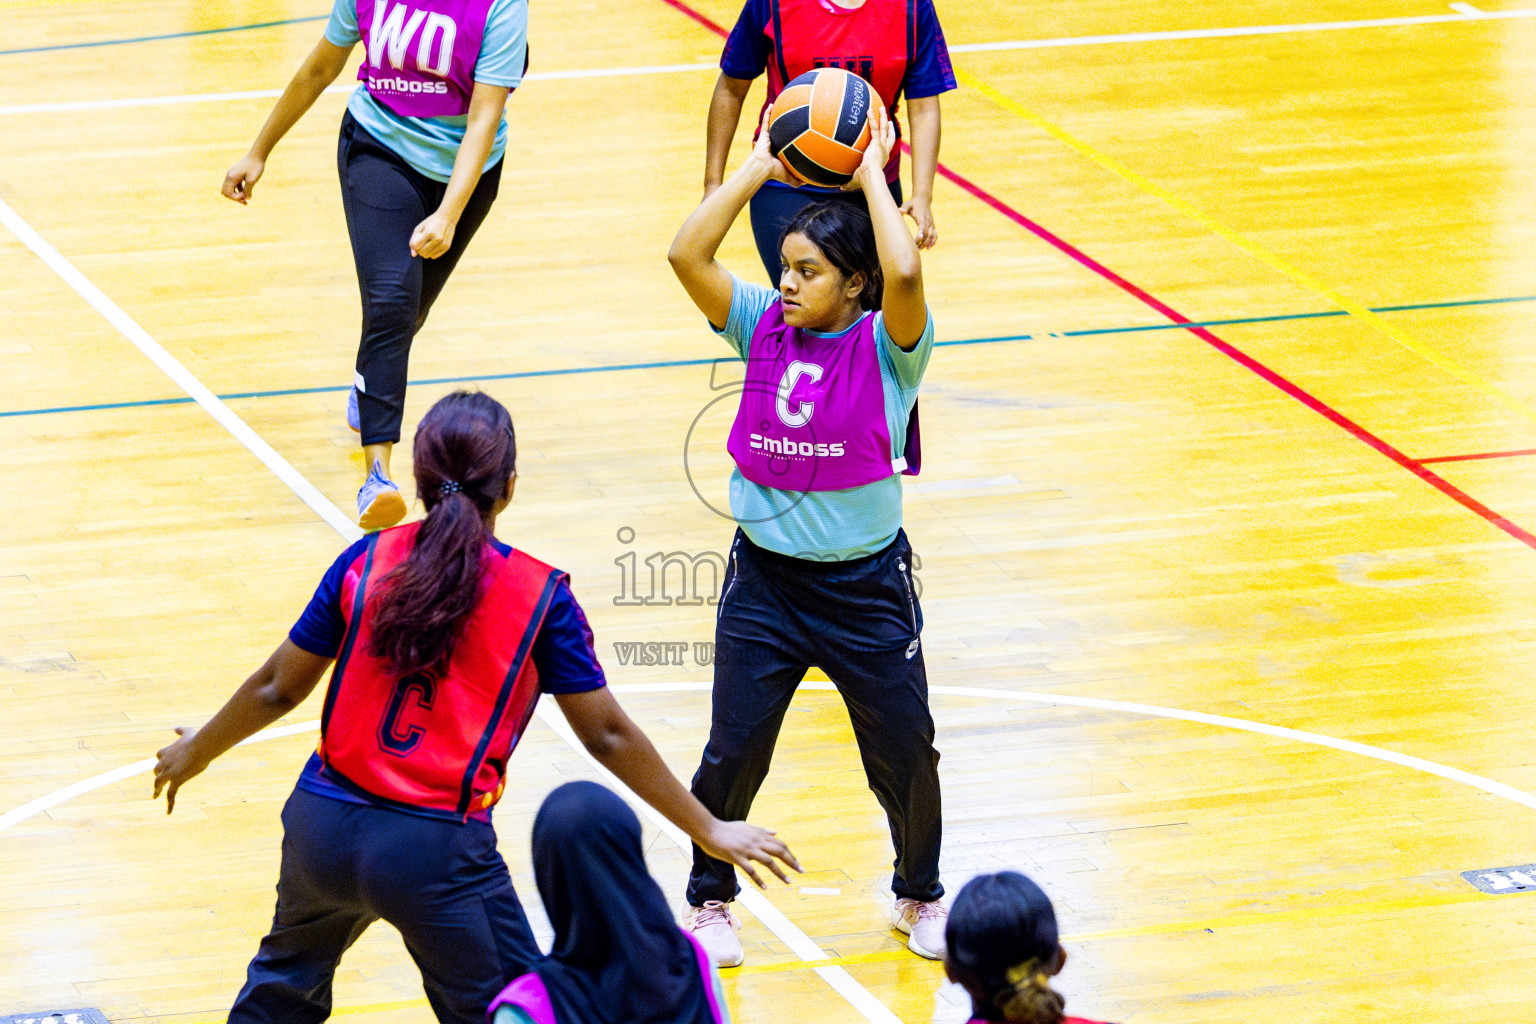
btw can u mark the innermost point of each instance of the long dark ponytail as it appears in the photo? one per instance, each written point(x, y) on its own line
point(1001, 945)
point(465, 456)
point(846, 237)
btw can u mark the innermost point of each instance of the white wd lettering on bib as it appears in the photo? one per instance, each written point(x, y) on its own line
point(393, 31)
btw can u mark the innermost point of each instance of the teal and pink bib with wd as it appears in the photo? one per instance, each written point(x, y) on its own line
point(812, 414)
point(421, 55)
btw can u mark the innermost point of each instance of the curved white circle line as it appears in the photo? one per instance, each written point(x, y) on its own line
point(128, 771)
point(1498, 789)
point(1487, 785)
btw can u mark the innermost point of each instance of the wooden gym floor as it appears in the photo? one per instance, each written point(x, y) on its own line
point(1310, 513)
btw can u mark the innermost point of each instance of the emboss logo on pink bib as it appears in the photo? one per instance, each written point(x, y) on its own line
point(421, 54)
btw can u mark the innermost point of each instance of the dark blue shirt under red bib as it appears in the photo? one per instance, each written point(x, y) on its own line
point(561, 654)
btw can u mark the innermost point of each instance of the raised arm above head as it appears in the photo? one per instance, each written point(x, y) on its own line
point(902, 302)
point(693, 250)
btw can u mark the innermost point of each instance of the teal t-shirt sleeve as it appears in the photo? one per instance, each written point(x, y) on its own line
point(512, 1015)
point(906, 367)
point(748, 304)
point(341, 30)
point(504, 47)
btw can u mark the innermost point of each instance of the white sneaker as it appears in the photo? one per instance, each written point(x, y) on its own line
point(715, 927)
point(923, 923)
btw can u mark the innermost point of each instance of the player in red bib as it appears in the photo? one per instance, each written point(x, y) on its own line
point(1003, 948)
point(443, 639)
point(895, 45)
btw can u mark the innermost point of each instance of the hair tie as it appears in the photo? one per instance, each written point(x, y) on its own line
point(1029, 974)
point(448, 487)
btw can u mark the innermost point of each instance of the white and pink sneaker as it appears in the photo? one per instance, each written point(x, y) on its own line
point(923, 923)
point(715, 927)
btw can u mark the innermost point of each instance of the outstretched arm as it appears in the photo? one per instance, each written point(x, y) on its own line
point(693, 250)
point(617, 742)
point(724, 116)
point(319, 70)
point(275, 689)
point(902, 302)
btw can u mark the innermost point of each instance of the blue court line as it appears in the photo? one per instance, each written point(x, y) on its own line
point(171, 35)
point(673, 363)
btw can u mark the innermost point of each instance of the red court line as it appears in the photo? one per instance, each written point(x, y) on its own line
point(1480, 455)
point(696, 16)
point(1317, 405)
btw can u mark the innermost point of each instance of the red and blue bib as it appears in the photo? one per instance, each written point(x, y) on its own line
point(436, 743)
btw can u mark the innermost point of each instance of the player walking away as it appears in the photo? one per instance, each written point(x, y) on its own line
point(895, 45)
point(443, 638)
point(420, 163)
point(1004, 950)
point(618, 956)
point(820, 569)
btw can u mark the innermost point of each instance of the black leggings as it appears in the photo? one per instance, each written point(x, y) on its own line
point(385, 198)
point(772, 208)
point(345, 866)
point(860, 622)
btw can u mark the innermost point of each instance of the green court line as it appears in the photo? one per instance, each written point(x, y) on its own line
point(669, 364)
point(170, 35)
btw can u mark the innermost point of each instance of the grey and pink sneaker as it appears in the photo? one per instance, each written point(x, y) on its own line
point(379, 502)
point(715, 927)
point(923, 924)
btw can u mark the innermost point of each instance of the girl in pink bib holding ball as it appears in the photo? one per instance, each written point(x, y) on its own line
point(820, 571)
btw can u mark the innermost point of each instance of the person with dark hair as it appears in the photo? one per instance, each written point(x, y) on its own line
point(897, 46)
point(820, 571)
point(443, 639)
point(618, 956)
point(1003, 949)
point(420, 158)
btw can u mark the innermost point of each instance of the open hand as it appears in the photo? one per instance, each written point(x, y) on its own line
point(761, 153)
point(176, 764)
point(241, 179)
point(741, 844)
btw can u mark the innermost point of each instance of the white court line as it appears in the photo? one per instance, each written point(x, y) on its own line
point(1487, 785)
point(173, 369)
point(840, 980)
point(128, 771)
point(1247, 30)
point(1466, 778)
point(1467, 13)
point(801, 944)
point(334, 90)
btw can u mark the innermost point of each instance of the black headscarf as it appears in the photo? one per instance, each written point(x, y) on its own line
point(619, 957)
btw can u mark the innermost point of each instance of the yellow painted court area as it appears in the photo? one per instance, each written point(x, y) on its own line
point(1233, 413)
